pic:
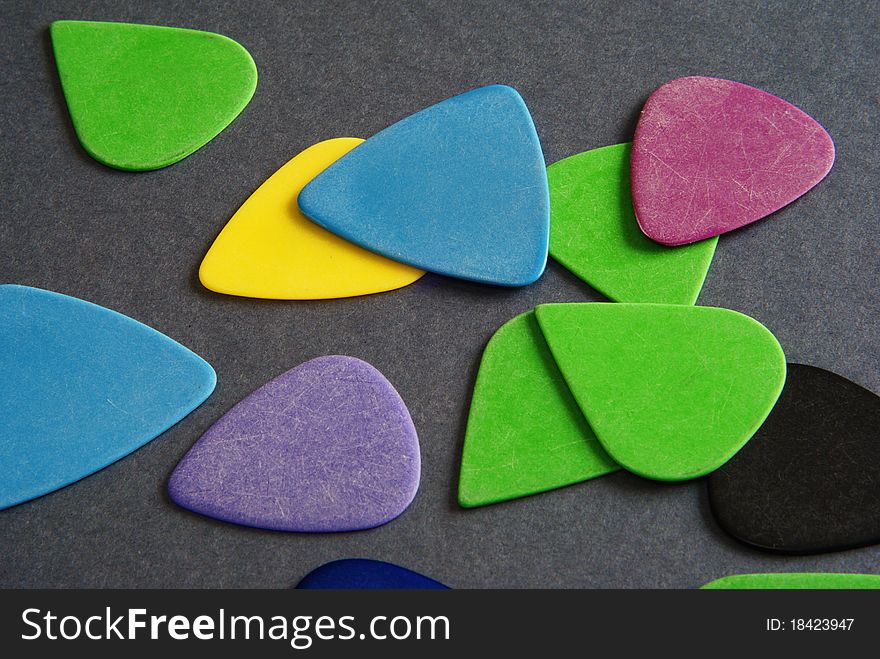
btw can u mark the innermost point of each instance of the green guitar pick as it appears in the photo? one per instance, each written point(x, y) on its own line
point(792, 581)
point(672, 392)
point(594, 233)
point(142, 96)
point(525, 433)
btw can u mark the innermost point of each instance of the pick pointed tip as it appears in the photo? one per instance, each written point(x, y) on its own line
point(210, 377)
point(520, 280)
point(503, 88)
point(468, 498)
point(464, 496)
point(133, 383)
point(307, 197)
point(211, 276)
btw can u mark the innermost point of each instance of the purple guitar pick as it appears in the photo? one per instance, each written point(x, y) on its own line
point(711, 155)
point(327, 446)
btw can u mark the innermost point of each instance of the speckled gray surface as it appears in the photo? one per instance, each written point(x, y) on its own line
point(133, 242)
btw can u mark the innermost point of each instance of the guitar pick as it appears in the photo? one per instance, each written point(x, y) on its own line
point(671, 391)
point(795, 581)
point(711, 155)
point(459, 189)
point(82, 387)
point(269, 249)
point(809, 481)
point(594, 233)
point(326, 446)
point(143, 97)
point(364, 574)
point(525, 433)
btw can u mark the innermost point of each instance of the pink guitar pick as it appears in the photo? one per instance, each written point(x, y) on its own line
point(711, 155)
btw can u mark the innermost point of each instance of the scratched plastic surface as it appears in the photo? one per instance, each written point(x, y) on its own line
point(326, 446)
point(711, 155)
point(594, 233)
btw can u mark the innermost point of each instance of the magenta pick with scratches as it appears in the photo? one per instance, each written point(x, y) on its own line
point(327, 446)
point(711, 155)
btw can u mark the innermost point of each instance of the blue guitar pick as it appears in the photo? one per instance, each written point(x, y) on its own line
point(81, 387)
point(362, 574)
point(459, 189)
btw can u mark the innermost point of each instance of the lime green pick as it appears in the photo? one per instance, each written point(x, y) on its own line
point(794, 580)
point(672, 392)
point(594, 233)
point(525, 433)
point(143, 97)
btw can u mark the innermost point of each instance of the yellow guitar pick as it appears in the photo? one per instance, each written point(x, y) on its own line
point(269, 249)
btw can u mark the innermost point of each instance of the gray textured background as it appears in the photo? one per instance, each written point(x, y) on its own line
point(133, 242)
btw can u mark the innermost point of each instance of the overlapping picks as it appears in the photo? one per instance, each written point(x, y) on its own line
point(459, 188)
point(326, 446)
point(269, 249)
point(711, 155)
point(366, 574)
point(672, 392)
point(565, 393)
point(525, 433)
point(594, 233)
point(143, 97)
point(472, 204)
point(82, 387)
point(668, 392)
